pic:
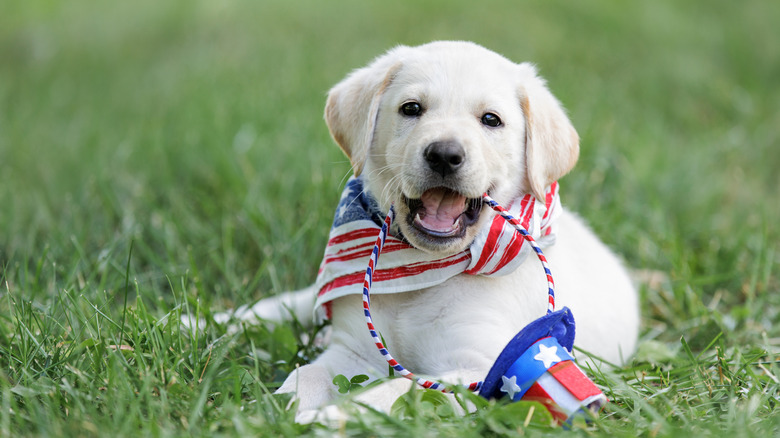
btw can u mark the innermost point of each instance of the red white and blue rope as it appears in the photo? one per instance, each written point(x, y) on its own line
point(368, 279)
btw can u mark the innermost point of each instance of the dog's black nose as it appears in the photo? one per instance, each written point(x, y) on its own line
point(444, 157)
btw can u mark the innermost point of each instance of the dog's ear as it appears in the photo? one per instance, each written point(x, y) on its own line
point(552, 145)
point(353, 106)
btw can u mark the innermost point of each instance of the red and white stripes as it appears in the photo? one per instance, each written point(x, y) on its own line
point(496, 250)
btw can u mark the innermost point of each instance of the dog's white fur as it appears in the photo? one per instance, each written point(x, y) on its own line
point(454, 331)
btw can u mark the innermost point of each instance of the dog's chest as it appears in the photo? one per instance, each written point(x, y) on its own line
point(465, 321)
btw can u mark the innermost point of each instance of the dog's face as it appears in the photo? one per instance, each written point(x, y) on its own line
point(432, 128)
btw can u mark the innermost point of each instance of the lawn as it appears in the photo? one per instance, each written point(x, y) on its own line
point(160, 158)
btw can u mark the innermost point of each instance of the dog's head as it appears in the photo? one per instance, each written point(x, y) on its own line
point(433, 127)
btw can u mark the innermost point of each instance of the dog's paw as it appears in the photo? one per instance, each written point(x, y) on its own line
point(330, 415)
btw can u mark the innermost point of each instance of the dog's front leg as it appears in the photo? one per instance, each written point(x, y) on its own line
point(316, 393)
point(313, 390)
point(382, 396)
point(313, 387)
point(379, 397)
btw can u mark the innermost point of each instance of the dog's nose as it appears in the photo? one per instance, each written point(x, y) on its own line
point(444, 157)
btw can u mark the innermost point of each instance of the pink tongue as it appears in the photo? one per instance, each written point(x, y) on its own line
point(442, 208)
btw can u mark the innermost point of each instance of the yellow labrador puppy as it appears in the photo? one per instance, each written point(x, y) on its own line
point(428, 130)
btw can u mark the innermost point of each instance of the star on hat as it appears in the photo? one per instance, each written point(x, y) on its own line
point(510, 386)
point(547, 355)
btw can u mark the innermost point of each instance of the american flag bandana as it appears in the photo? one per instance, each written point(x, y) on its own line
point(497, 249)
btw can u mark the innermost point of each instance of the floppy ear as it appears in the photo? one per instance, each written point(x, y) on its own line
point(353, 105)
point(552, 145)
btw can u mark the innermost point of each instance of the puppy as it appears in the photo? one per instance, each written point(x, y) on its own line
point(428, 130)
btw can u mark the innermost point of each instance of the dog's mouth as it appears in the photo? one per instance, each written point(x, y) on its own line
point(441, 212)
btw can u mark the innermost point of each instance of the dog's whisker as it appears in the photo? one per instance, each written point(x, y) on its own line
point(347, 175)
point(378, 171)
point(393, 186)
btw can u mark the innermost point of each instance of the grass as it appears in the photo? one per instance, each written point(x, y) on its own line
point(152, 164)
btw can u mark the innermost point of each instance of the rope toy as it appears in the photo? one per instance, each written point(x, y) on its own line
point(556, 382)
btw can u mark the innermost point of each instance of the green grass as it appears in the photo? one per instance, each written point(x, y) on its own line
point(167, 157)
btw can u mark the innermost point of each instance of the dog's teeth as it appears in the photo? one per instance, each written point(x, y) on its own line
point(456, 225)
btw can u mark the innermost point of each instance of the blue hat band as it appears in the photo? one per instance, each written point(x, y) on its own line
point(531, 365)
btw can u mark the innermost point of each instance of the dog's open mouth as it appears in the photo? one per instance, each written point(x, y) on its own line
point(442, 212)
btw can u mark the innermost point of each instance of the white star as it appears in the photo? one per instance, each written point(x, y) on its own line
point(510, 386)
point(548, 355)
point(342, 210)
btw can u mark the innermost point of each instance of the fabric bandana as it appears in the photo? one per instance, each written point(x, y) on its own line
point(497, 249)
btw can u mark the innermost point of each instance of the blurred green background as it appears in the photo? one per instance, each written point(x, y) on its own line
point(193, 131)
point(195, 127)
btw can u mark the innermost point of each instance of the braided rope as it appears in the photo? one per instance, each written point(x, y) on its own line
point(368, 280)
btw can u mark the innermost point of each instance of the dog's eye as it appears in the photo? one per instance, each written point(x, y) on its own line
point(490, 119)
point(411, 109)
